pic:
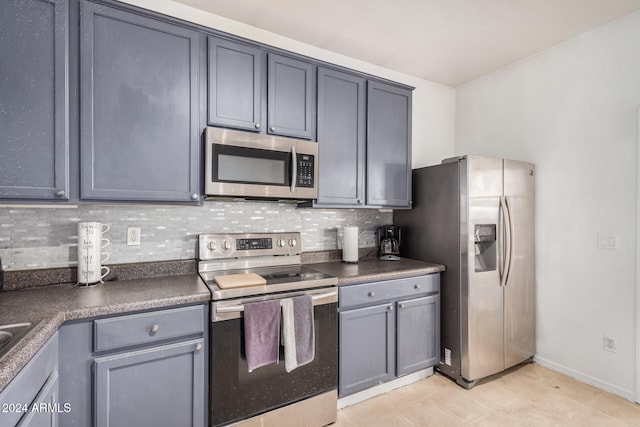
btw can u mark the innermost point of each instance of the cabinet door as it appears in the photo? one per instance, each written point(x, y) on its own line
point(291, 97)
point(418, 334)
point(341, 138)
point(236, 73)
point(160, 386)
point(34, 105)
point(388, 145)
point(44, 409)
point(367, 348)
point(139, 118)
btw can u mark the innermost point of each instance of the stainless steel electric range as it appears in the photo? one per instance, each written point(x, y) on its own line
point(236, 394)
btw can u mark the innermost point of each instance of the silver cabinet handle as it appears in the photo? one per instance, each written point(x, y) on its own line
point(401, 305)
point(417, 287)
point(272, 128)
point(155, 328)
point(372, 294)
point(198, 347)
point(60, 193)
point(390, 308)
point(195, 196)
point(257, 125)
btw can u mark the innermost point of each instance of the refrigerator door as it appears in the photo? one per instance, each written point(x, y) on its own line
point(482, 316)
point(519, 290)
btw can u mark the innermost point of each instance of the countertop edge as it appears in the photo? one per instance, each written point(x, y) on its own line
point(50, 322)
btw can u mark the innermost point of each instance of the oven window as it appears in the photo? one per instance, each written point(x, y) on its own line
point(250, 165)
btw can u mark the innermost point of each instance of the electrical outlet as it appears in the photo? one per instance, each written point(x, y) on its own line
point(609, 344)
point(133, 236)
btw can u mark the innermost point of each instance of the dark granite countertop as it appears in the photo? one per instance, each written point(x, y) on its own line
point(372, 269)
point(49, 306)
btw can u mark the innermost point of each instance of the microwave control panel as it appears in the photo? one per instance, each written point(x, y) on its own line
point(305, 170)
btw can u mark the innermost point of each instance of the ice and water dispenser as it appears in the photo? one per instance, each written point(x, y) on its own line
point(486, 249)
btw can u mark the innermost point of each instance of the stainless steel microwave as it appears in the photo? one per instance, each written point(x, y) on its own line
point(247, 165)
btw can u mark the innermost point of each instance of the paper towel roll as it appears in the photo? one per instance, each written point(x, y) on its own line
point(350, 244)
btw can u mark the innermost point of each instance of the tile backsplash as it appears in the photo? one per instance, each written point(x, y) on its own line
point(46, 237)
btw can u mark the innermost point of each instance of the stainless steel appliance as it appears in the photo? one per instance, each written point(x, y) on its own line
point(389, 242)
point(247, 165)
point(475, 215)
point(237, 394)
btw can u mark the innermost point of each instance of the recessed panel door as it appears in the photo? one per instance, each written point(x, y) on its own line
point(482, 298)
point(519, 290)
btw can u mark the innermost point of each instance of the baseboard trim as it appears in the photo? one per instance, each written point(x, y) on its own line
point(363, 395)
point(588, 379)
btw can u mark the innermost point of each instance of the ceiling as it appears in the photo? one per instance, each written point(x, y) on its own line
point(446, 41)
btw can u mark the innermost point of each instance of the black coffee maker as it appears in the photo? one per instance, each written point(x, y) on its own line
point(389, 243)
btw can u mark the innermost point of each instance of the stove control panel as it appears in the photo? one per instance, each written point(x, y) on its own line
point(236, 245)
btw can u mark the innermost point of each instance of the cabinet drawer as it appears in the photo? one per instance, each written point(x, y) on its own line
point(143, 328)
point(375, 292)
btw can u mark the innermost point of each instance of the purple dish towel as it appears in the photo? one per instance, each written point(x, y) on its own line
point(298, 331)
point(262, 333)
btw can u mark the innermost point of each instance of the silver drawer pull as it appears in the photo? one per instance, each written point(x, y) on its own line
point(372, 294)
point(198, 347)
point(154, 329)
point(417, 286)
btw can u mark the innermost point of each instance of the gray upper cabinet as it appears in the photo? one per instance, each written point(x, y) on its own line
point(263, 92)
point(139, 123)
point(236, 73)
point(388, 145)
point(34, 92)
point(341, 138)
point(291, 95)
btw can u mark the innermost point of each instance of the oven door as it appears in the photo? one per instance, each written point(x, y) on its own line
point(236, 393)
point(242, 164)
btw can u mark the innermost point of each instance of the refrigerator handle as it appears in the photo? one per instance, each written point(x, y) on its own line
point(501, 240)
point(509, 239)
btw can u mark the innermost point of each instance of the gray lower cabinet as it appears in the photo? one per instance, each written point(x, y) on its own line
point(159, 386)
point(418, 334)
point(341, 138)
point(387, 329)
point(145, 368)
point(34, 91)
point(388, 145)
point(31, 398)
point(367, 348)
point(139, 96)
point(236, 72)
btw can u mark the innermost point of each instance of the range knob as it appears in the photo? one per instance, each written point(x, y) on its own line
point(281, 243)
point(292, 242)
point(212, 246)
point(226, 245)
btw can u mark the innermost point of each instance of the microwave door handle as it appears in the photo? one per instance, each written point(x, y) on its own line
point(294, 169)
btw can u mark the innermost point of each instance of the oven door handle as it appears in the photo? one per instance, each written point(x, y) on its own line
point(233, 311)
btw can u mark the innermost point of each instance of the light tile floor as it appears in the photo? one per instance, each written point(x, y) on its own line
point(528, 395)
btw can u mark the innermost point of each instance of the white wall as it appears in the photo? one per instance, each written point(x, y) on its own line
point(433, 104)
point(572, 110)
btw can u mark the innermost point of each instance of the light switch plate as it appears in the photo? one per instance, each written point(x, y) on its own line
point(607, 241)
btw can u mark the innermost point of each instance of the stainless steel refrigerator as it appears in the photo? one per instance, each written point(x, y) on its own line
point(475, 215)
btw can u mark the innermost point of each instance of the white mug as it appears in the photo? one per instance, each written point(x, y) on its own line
point(90, 255)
